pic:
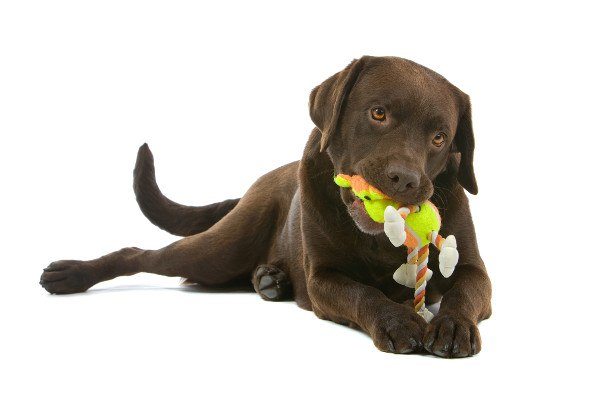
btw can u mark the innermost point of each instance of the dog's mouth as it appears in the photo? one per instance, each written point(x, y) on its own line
point(364, 222)
point(357, 211)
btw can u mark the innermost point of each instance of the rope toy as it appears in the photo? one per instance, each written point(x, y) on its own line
point(413, 226)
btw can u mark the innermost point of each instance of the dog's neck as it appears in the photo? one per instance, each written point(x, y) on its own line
point(316, 181)
point(323, 209)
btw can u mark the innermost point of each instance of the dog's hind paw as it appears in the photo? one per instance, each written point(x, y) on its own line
point(66, 277)
point(271, 283)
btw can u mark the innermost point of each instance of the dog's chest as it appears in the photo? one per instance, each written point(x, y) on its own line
point(377, 266)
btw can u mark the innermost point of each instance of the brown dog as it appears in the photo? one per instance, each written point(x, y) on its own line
point(407, 131)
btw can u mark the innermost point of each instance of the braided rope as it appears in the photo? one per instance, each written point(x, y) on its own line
point(436, 239)
point(419, 299)
point(418, 256)
point(412, 256)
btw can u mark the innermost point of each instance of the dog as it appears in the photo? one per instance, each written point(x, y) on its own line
point(296, 235)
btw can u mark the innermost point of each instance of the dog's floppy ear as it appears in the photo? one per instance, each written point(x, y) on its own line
point(328, 99)
point(465, 144)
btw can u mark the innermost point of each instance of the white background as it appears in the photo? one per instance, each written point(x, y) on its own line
point(220, 91)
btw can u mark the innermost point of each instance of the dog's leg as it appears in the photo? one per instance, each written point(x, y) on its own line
point(229, 250)
point(466, 294)
point(394, 327)
point(453, 332)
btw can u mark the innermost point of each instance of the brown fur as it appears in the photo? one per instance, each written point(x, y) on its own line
point(292, 233)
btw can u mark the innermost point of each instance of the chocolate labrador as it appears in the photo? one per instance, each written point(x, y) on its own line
point(296, 235)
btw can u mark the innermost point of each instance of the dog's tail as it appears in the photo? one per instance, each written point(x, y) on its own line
point(178, 219)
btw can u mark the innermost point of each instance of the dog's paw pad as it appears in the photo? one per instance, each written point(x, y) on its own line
point(271, 283)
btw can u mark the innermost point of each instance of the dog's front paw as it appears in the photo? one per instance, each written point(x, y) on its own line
point(398, 331)
point(67, 277)
point(452, 336)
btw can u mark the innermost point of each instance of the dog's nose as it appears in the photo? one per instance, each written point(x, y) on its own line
point(404, 178)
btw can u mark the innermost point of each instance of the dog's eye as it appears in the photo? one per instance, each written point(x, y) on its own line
point(439, 139)
point(378, 114)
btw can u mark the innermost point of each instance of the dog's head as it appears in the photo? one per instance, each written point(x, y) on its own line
point(396, 123)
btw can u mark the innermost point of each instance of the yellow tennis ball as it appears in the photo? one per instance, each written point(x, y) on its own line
point(422, 223)
point(342, 181)
point(375, 208)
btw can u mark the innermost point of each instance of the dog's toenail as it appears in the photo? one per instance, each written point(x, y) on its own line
point(391, 346)
point(429, 344)
point(413, 343)
point(440, 353)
